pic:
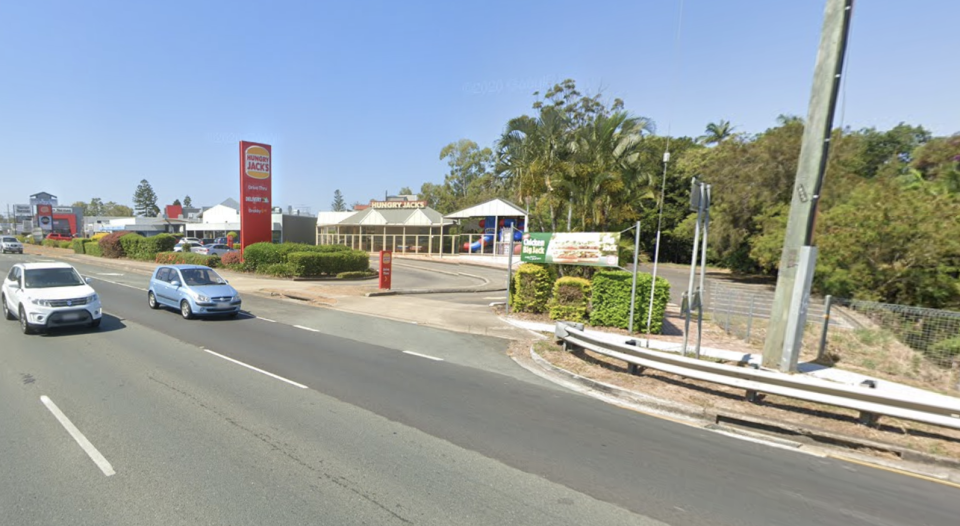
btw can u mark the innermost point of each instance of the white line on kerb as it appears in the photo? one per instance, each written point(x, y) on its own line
point(85, 444)
point(238, 362)
point(306, 328)
point(434, 358)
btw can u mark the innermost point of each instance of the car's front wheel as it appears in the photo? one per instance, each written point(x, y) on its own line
point(152, 300)
point(24, 324)
point(185, 310)
point(7, 315)
point(95, 323)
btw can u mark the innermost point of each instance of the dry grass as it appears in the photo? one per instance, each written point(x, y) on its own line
point(929, 439)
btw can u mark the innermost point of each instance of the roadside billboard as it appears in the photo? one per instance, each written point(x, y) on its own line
point(45, 216)
point(255, 193)
point(593, 249)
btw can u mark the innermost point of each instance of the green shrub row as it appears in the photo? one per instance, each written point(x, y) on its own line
point(77, 245)
point(604, 300)
point(311, 264)
point(187, 258)
point(261, 254)
point(136, 246)
point(92, 248)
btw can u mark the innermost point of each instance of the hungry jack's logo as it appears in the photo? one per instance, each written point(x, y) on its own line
point(256, 162)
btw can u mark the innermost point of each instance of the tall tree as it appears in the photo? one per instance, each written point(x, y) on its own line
point(145, 200)
point(468, 163)
point(176, 202)
point(717, 132)
point(187, 202)
point(111, 209)
point(338, 205)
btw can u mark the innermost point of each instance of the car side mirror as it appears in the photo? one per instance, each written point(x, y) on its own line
point(88, 279)
point(175, 283)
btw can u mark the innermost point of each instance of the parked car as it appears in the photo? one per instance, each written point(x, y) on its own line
point(179, 247)
point(222, 241)
point(10, 244)
point(206, 241)
point(209, 250)
point(195, 290)
point(191, 240)
point(56, 236)
point(47, 295)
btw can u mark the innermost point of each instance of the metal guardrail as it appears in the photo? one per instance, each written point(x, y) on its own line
point(870, 403)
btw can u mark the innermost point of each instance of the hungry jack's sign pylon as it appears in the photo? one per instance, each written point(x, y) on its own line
point(256, 179)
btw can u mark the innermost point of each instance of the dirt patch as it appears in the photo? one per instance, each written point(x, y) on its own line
point(920, 437)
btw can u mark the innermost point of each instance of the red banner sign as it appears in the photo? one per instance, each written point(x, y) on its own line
point(45, 216)
point(255, 198)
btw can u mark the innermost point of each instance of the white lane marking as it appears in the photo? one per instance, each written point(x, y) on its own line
point(121, 284)
point(85, 444)
point(109, 274)
point(306, 328)
point(265, 319)
point(434, 358)
point(238, 362)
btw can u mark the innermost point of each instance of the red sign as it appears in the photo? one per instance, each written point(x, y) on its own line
point(386, 268)
point(255, 183)
point(45, 216)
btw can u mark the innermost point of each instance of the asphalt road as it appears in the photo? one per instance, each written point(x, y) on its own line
point(351, 427)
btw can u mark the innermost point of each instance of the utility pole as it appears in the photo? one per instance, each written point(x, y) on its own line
point(797, 263)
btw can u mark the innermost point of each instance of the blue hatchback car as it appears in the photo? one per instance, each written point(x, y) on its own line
point(194, 290)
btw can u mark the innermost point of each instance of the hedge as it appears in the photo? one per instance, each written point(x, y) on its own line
point(153, 245)
point(92, 248)
point(307, 264)
point(280, 270)
point(262, 254)
point(571, 299)
point(110, 246)
point(77, 245)
point(187, 258)
point(611, 300)
point(531, 288)
point(53, 243)
point(132, 245)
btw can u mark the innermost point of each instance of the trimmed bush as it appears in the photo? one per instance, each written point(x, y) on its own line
point(231, 258)
point(280, 270)
point(110, 246)
point(308, 264)
point(187, 258)
point(51, 243)
point(65, 244)
point(77, 245)
point(571, 299)
point(261, 254)
point(92, 248)
point(151, 246)
point(357, 274)
point(531, 288)
point(132, 245)
point(611, 300)
point(99, 235)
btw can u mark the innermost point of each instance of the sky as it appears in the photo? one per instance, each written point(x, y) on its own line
point(362, 96)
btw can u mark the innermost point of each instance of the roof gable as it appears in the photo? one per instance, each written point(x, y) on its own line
point(494, 207)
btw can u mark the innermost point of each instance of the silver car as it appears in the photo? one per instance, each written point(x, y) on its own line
point(10, 244)
point(209, 250)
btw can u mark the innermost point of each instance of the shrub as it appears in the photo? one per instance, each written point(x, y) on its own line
point(306, 264)
point(100, 235)
point(261, 254)
point(77, 245)
point(187, 258)
point(151, 246)
point(231, 258)
point(110, 246)
point(611, 300)
point(280, 270)
point(66, 244)
point(571, 299)
point(132, 245)
point(357, 274)
point(531, 288)
point(92, 248)
point(51, 243)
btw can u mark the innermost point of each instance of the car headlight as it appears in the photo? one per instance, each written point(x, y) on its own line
point(42, 303)
point(202, 298)
point(92, 298)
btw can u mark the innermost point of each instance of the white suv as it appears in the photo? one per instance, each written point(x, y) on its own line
point(48, 295)
point(10, 244)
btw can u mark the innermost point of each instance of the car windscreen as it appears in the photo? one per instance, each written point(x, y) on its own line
point(199, 277)
point(9, 240)
point(51, 277)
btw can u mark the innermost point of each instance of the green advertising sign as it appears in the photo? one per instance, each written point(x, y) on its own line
point(595, 249)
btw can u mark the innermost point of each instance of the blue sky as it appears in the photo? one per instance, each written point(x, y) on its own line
point(361, 96)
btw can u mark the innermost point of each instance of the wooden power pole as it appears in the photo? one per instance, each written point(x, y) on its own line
point(797, 263)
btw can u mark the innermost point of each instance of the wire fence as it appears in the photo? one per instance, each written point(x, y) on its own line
point(899, 342)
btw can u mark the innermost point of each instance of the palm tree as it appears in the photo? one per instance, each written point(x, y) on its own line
point(717, 132)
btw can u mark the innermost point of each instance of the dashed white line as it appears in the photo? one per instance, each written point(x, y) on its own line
point(121, 284)
point(265, 319)
point(434, 358)
point(238, 362)
point(85, 444)
point(306, 328)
